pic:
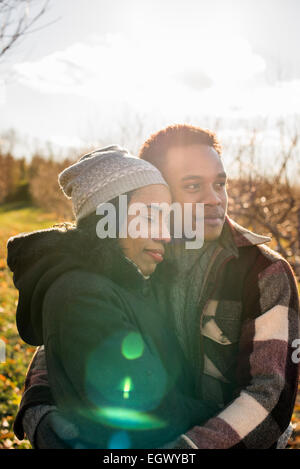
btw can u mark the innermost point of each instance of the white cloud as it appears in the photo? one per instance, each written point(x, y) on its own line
point(177, 75)
point(110, 69)
point(144, 68)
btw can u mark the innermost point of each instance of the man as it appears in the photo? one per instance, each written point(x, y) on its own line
point(235, 305)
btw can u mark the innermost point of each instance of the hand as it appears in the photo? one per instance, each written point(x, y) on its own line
point(55, 432)
point(170, 445)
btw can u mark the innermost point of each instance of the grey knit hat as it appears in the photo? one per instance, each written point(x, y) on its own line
point(104, 174)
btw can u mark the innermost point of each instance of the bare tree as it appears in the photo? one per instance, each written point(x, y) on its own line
point(268, 202)
point(18, 18)
point(44, 188)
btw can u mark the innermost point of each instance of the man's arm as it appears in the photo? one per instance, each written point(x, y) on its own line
point(37, 397)
point(38, 417)
point(267, 373)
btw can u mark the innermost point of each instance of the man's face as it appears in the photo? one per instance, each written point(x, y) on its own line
point(195, 173)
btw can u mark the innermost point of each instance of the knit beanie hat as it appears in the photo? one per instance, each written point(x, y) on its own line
point(104, 174)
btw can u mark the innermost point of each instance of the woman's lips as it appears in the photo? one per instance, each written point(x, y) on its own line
point(156, 255)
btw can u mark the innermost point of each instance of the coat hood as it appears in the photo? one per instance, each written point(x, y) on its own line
point(36, 260)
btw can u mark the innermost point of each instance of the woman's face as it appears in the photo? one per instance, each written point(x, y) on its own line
point(147, 251)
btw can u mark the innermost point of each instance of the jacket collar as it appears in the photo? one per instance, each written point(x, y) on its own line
point(241, 236)
point(127, 274)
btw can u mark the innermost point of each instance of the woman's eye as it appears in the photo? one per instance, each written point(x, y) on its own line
point(221, 184)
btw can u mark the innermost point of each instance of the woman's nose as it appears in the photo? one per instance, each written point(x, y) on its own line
point(163, 235)
point(162, 240)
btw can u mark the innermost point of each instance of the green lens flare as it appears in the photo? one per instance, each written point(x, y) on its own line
point(127, 419)
point(132, 346)
point(126, 387)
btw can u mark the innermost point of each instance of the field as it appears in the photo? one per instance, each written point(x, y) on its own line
point(14, 219)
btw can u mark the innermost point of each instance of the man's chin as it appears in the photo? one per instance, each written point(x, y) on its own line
point(212, 233)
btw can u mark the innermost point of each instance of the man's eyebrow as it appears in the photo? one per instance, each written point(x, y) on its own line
point(200, 178)
point(222, 175)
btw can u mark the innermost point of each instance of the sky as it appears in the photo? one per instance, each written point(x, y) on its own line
point(101, 70)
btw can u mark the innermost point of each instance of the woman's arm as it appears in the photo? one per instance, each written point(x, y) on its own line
point(37, 395)
point(38, 417)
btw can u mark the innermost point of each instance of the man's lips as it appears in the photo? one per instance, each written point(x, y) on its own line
point(214, 214)
point(156, 254)
point(213, 219)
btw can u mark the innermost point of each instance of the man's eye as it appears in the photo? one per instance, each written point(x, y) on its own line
point(220, 184)
point(192, 186)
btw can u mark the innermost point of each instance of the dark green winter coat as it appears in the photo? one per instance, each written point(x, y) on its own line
point(115, 366)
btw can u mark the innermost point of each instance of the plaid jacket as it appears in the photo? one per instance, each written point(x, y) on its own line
point(249, 319)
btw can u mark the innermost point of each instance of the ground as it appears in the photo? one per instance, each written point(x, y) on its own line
point(14, 219)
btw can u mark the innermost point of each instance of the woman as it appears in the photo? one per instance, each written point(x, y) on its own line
point(115, 367)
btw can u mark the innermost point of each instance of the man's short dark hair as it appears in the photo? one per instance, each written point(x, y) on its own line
point(157, 145)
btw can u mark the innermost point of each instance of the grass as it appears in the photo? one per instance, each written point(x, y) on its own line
point(14, 219)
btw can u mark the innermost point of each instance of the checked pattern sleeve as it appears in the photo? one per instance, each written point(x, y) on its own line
point(37, 395)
